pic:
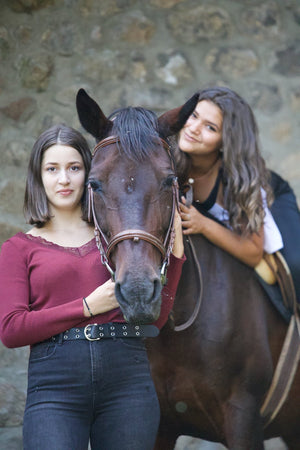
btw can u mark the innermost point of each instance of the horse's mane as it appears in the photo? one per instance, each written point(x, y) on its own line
point(137, 130)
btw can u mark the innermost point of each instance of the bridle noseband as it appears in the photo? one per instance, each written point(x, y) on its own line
point(135, 235)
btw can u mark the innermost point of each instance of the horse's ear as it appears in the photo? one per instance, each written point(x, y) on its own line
point(91, 116)
point(172, 121)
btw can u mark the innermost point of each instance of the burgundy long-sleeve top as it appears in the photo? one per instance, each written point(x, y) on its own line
point(42, 285)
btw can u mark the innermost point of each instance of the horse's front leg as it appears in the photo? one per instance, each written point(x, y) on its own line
point(243, 425)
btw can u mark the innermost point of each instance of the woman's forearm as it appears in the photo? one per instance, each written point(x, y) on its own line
point(247, 249)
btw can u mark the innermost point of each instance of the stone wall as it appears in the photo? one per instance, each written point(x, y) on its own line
point(152, 53)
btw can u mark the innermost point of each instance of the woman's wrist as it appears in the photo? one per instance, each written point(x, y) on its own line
point(178, 248)
point(86, 308)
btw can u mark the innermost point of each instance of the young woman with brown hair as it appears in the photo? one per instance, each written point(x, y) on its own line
point(234, 194)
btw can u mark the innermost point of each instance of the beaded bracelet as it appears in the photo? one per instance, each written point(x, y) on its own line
point(87, 306)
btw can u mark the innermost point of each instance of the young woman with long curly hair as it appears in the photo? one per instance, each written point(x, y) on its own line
point(234, 195)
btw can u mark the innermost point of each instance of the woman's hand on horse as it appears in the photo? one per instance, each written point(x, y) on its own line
point(178, 248)
point(101, 300)
point(193, 222)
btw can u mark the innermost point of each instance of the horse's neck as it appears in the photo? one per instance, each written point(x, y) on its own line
point(221, 277)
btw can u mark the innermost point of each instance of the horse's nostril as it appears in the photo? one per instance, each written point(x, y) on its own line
point(120, 297)
point(157, 288)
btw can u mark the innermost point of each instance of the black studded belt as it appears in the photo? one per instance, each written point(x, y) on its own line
point(96, 332)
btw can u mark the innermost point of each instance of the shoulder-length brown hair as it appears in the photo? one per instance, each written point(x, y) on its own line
point(36, 209)
point(244, 169)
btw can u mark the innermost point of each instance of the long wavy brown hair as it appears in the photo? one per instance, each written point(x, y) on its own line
point(244, 168)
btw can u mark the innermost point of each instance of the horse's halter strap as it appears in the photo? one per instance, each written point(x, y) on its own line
point(135, 235)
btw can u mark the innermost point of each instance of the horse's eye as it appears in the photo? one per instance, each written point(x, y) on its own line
point(96, 185)
point(168, 182)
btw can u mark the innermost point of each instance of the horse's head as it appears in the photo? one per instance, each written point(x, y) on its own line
point(132, 186)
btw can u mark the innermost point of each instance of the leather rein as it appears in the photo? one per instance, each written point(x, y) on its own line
point(135, 235)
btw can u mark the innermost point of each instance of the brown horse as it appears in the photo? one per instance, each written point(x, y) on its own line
point(133, 192)
point(212, 377)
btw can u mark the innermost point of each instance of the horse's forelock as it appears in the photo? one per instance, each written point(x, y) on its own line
point(137, 130)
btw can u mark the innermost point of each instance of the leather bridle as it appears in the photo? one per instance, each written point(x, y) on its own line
point(135, 235)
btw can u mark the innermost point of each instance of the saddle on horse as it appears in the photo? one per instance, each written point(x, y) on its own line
point(273, 270)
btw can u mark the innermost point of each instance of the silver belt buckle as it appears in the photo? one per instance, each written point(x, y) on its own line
point(87, 333)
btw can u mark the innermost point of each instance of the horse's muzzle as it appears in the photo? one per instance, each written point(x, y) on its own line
point(139, 299)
